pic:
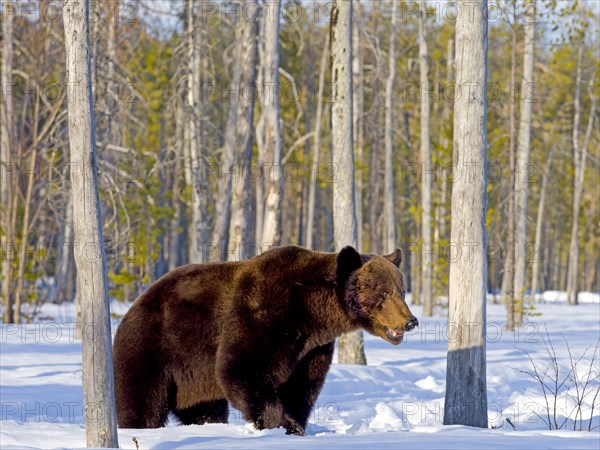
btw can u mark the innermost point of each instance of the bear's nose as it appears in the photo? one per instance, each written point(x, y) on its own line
point(412, 324)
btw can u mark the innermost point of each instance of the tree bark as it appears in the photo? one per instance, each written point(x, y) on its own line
point(521, 182)
point(357, 119)
point(351, 347)
point(90, 258)
point(388, 194)
point(246, 37)
point(6, 182)
point(220, 235)
point(316, 152)
point(198, 227)
point(535, 271)
point(466, 397)
point(64, 291)
point(579, 162)
point(26, 212)
point(177, 224)
point(260, 132)
point(508, 291)
point(374, 189)
point(272, 226)
point(426, 181)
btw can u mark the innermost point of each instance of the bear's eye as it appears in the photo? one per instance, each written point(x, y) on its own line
point(386, 294)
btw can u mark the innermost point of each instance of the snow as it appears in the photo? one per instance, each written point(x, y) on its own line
point(396, 401)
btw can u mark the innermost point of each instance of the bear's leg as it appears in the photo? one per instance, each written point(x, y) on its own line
point(142, 392)
point(252, 392)
point(299, 393)
point(206, 412)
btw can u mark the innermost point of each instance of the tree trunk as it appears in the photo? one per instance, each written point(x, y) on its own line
point(178, 222)
point(508, 292)
point(260, 132)
point(246, 37)
point(220, 236)
point(579, 159)
point(351, 347)
point(6, 184)
point(535, 275)
point(26, 226)
point(111, 84)
point(198, 226)
point(466, 398)
point(426, 166)
point(388, 194)
point(357, 119)
point(64, 291)
point(521, 182)
point(160, 265)
point(310, 213)
point(374, 189)
point(272, 225)
point(90, 258)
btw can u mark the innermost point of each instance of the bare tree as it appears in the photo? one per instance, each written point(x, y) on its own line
point(535, 270)
point(198, 225)
point(316, 150)
point(26, 219)
point(426, 181)
point(508, 278)
point(358, 100)
point(388, 195)
point(579, 161)
point(522, 169)
point(245, 68)
point(466, 398)
point(64, 271)
point(6, 124)
point(351, 347)
point(90, 259)
point(272, 129)
point(220, 235)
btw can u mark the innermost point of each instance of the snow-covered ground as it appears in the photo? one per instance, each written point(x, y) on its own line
point(397, 401)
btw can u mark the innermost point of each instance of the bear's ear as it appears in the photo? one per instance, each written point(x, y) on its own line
point(395, 257)
point(348, 260)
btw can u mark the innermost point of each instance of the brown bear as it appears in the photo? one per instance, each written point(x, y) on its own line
point(258, 334)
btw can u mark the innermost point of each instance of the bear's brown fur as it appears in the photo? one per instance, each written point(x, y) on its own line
point(257, 334)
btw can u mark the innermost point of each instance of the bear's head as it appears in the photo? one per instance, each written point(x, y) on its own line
point(373, 289)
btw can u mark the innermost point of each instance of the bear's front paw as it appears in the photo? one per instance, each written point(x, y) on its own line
point(292, 426)
point(271, 416)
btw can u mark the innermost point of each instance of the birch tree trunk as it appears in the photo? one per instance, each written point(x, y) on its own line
point(111, 84)
point(535, 270)
point(198, 227)
point(246, 37)
point(64, 269)
point(521, 181)
point(445, 142)
point(178, 221)
point(351, 347)
point(426, 182)
point(357, 119)
point(260, 131)
point(388, 191)
point(26, 226)
point(316, 150)
point(220, 235)
point(90, 258)
point(374, 208)
point(579, 160)
point(508, 291)
point(271, 111)
point(6, 124)
point(466, 397)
